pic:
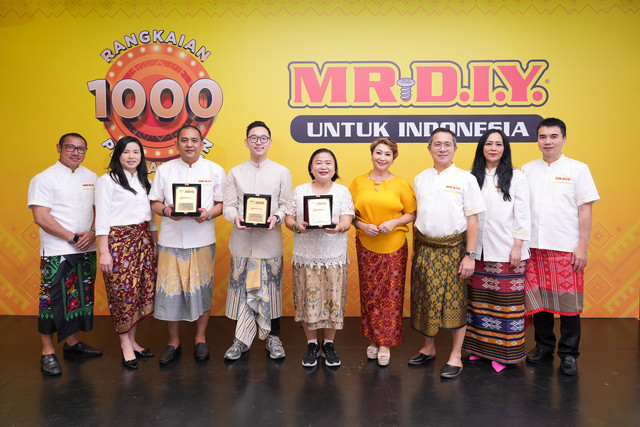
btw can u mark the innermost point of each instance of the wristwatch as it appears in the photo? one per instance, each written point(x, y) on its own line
point(75, 239)
point(472, 255)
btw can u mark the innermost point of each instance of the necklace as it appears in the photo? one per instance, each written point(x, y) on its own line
point(377, 183)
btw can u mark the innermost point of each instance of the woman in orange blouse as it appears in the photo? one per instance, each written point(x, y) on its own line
point(384, 205)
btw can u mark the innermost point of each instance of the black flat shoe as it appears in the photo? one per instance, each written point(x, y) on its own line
point(450, 371)
point(130, 364)
point(569, 365)
point(80, 350)
point(421, 358)
point(144, 354)
point(538, 355)
point(169, 355)
point(201, 351)
point(49, 365)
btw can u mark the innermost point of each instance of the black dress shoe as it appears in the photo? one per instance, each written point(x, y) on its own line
point(450, 371)
point(537, 355)
point(144, 354)
point(49, 365)
point(169, 355)
point(421, 358)
point(569, 365)
point(201, 351)
point(80, 350)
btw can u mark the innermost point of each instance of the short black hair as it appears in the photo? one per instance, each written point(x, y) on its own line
point(447, 130)
point(550, 122)
point(71, 135)
point(189, 127)
point(335, 162)
point(257, 124)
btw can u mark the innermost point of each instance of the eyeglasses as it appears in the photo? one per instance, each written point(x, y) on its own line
point(262, 138)
point(71, 148)
point(446, 145)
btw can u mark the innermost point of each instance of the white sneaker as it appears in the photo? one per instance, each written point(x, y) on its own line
point(274, 347)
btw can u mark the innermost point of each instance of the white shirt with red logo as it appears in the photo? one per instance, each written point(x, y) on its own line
point(445, 201)
point(504, 220)
point(187, 233)
point(556, 192)
point(70, 196)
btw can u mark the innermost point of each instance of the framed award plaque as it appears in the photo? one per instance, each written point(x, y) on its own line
point(186, 199)
point(256, 210)
point(318, 211)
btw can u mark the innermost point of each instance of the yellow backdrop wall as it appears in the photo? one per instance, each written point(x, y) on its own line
point(52, 49)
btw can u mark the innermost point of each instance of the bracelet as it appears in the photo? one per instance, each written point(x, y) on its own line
point(294, 228)
point(163, 210)
point(210, 215)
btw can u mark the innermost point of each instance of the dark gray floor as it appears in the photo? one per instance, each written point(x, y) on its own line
point(256, 391)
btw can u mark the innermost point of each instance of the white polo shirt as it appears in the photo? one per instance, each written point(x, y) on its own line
point(503, 221)
point(69, 195)
point(116, 205)
point(445, 201)
point(187, 233)
point(556, 192)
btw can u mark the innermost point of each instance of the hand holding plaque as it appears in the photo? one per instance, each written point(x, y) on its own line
point(318, 211)
point(186, 199)
point(257, 208)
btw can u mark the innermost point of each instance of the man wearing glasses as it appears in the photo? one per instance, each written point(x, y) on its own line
point(61, 200)
point(254, 297)
point(445, 234)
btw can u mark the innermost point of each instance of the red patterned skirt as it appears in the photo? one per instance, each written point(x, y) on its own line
point(382, 278)
point(552, 285)
point(131, 284)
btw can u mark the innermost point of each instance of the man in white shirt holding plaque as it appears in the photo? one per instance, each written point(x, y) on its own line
point(61, 201)
point(562, 194)
point(254, 297)
point(445, 235)
point(186, 243)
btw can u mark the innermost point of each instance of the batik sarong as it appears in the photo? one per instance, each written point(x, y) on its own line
point(66, 294)
point(184, 282)
point(131, 284)
point(254, 296)
point(438, 294)
point(495, 312)
point(552, 285)
point(382, 278)
point(320, 295)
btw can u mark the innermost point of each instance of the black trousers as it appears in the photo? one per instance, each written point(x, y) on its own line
point(569, 333)
point(275, 327)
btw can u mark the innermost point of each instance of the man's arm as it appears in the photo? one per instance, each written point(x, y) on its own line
point(468, 265)
point(585, 215)
point(43, 219)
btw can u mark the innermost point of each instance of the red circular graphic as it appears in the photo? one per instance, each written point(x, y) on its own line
point(464, 96)
point(537, 95)
point(501, 96)
point(147, 64)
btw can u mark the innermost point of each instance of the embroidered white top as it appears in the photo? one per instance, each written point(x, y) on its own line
point(317, 248)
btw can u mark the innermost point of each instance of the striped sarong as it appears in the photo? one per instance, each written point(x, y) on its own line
point(254, 306)
point(495, 312)
point(552, 285)
point(132, 283)
point(438, 294)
